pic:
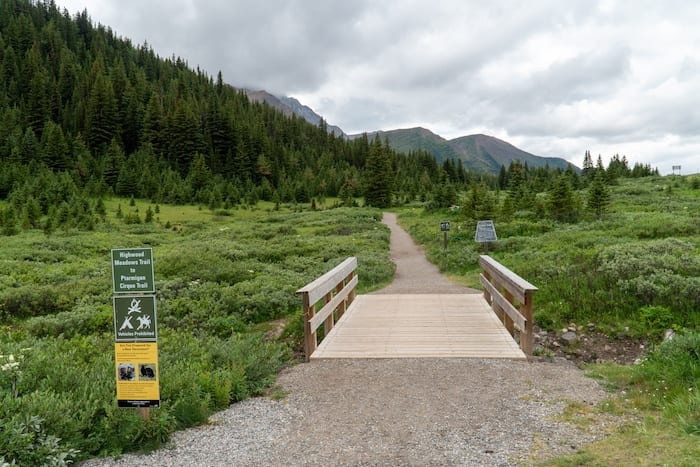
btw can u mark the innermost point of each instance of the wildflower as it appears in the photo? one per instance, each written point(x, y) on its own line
point(11, 363)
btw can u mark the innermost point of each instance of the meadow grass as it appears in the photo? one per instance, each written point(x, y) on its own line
point(223, 280)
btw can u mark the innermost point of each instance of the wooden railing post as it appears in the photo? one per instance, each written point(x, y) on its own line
point(343, 305)
point(328, 325)
point(351, 295)
point(527, 340)
point(507, 320)
point(487, 295)
point(309, 334)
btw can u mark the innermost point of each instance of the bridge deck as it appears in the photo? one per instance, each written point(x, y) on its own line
point(415, 326)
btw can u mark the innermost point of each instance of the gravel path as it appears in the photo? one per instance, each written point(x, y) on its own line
point(390, 412)
point(414, 273)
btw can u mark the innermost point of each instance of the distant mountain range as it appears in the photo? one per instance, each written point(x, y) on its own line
point(289, 106)
point(478, 153)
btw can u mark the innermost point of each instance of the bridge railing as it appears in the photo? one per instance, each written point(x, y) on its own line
point(504, 290)
point(333, 292)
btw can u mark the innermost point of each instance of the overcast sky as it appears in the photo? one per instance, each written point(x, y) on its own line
point(553, 77)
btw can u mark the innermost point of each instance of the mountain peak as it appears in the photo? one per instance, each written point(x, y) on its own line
point(290, 106)
point(478, 152)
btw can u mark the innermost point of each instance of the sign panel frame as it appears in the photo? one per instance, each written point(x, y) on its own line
point(485, 232)
point(132, 270)
point(137, 373)
point(140, 308)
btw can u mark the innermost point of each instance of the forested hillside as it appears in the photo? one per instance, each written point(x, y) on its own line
point(86, 113)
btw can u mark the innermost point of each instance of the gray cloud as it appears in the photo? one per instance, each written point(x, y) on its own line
point(551, 76)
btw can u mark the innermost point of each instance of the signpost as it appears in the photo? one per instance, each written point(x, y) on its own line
point(445, 227)
point(135, 329)
point(485, 233)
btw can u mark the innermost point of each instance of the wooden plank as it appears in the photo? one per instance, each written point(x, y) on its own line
point(500, 301)
point(329, 307)
point(327, 282)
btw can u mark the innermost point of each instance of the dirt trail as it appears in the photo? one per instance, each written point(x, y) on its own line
point(414, 273)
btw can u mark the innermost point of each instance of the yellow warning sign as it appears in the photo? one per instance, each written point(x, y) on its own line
point(136, 366)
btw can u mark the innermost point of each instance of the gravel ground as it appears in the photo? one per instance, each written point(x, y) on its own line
point(396, 411)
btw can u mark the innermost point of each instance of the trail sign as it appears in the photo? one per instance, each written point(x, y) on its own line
point(444, 226)
point(485, 232)
point(136, 365)
point(132, 270)
point(135, 318)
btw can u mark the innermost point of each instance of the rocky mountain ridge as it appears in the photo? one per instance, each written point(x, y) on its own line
point(478, 153)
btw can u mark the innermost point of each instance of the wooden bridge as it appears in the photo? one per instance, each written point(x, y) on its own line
point(418, 325)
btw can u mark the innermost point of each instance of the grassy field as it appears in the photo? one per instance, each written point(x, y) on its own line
point(224, 280)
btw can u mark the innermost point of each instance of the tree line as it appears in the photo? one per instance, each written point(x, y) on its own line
point(86, 114)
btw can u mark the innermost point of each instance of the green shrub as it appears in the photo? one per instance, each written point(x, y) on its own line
point(656, 319)
point(30, 300)
point(72, 323)
point(25, 442)
point(673, 366)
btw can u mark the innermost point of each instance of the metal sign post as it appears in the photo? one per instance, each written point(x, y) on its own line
point(444, 228)
point(135, 329)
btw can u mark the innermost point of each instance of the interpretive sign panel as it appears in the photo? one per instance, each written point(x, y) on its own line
point(132, 270)
point(136, 367)
point(444, 226)
point(485, 232)
point(135, 318)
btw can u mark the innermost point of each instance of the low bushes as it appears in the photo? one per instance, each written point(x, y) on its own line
point(216, 283)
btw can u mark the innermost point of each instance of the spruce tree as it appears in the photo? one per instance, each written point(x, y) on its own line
point(587, 168)
point(560, 203)
point(378, 176)
point(101, 115)
point(598, 196)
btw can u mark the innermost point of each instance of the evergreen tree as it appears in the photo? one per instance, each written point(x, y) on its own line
point(507, 208)
point(185, 138)
point(55, 149)
point(598, 196)
point(37, 102)
point(587, 168)
point(8, 221)
point(199, 175)
point(502, 178)
point(112, 164)
point(378, 176)
point(152, 131)
point(101, 112)
point(560, 203)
